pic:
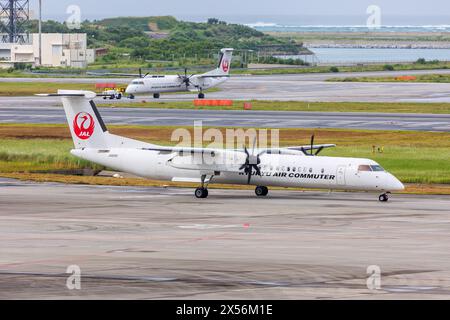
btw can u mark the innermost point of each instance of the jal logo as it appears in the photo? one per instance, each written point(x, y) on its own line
point(225, 66)
point(83, 125)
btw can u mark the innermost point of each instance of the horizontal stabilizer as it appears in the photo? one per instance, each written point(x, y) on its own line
point(70, 93)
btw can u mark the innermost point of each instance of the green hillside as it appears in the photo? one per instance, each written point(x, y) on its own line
point(166, 38)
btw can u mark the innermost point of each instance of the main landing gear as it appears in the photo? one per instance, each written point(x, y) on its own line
point(384, 197)
point(201, 95)
point(156, 95)
point(262, 191)
point(202, 191)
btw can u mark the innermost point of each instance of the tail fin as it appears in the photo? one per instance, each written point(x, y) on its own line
point(86, 125)
point(224, 67)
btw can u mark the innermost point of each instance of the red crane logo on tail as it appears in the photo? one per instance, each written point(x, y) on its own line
point(83, 125)
point(225, 66)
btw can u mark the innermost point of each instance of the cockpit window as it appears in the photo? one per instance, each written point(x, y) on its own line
point(137, 82)
point(364, 168)
point(377, 168)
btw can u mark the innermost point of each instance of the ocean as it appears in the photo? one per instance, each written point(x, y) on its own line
point(275, 27)
point(374, 55)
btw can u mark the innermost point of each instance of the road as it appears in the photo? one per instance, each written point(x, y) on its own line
point(304, 87)
point(254, 119)
point(151, 243)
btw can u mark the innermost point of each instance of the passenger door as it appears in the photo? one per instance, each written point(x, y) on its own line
point(340, 176)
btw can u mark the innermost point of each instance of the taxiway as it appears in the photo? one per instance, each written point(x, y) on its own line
point(162, 243)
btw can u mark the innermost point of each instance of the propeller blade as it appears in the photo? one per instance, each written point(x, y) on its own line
point(312, 144)
point(254, 145)
point(304, 151)
point(140, 72)
point(258, 170)
point(319, 151)
point(249, 176)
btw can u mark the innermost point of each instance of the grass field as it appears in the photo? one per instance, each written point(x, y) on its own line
point(435, 108)
point(31, 88)
point(362, 68)
point(415, 157)
point(423, 78)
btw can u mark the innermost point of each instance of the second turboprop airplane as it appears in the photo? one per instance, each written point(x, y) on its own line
point(157, 84)
point(298, 167)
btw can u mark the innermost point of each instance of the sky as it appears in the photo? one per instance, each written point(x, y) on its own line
point(249, 11)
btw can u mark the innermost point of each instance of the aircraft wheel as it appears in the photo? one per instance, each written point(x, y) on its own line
point(131, 97)
point(119, 96)
point(201, 96)
point(156, 95)
point(261, 191)
point(383, 198)
point(201, 193)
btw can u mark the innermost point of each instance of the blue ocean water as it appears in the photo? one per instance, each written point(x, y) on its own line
point(366, 55)
point(274, 27)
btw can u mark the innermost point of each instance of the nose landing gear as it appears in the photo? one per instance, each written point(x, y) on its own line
point(384, 198)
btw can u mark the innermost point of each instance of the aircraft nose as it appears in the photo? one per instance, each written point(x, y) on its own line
point(395, 184)
point(129, 90)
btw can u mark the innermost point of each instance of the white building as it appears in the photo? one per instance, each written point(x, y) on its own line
point(58, 50)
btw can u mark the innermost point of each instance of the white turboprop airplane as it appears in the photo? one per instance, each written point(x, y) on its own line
point(157, 84)
point(298, 167)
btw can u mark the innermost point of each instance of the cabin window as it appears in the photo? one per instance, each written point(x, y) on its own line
point(310, 170)
point(293, 169)
point(364, 168)
point(289, 169)
point(377, 168)
point(323, 171)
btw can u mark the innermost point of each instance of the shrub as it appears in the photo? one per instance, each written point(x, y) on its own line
point(334, 69)
point(421, 61)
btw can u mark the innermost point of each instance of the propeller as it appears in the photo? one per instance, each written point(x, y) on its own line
point(186, 79)
point(252, 162)
point(311, 151)
point(140, 74)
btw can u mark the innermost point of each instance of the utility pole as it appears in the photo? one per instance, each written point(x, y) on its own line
point(40, 32)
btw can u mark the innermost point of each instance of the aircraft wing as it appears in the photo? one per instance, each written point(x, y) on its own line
point(287, 150)
point(294, 150)
point(106, 74)
point(184, 150)
point(223, 160)
point(213, 76)
point(315, 147)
